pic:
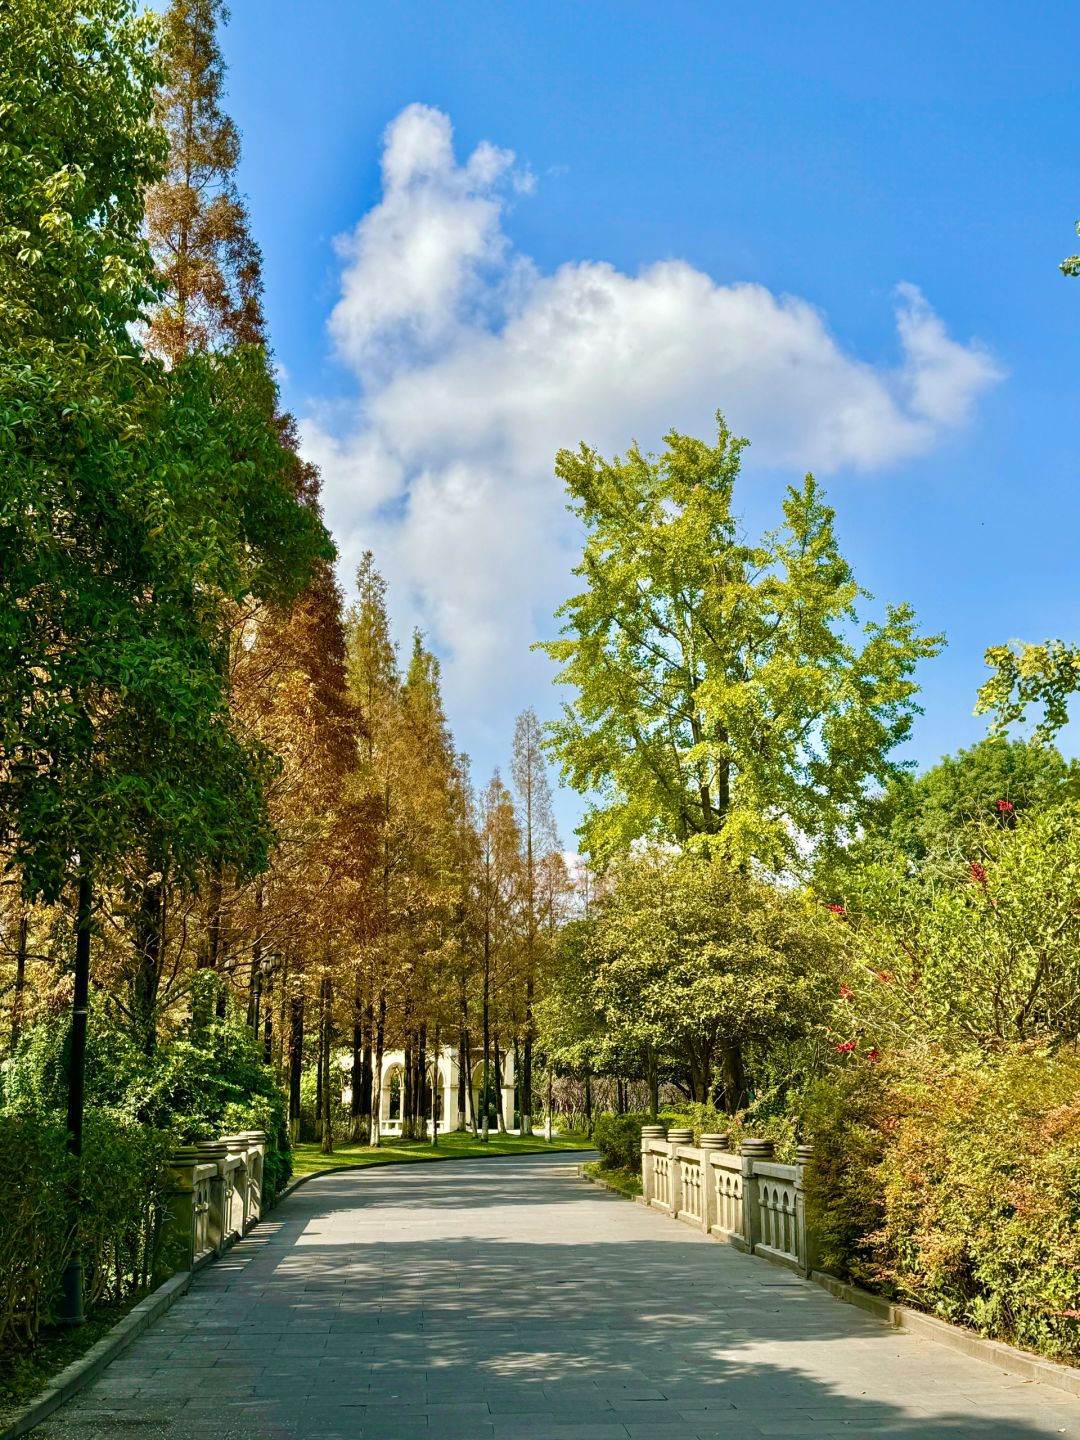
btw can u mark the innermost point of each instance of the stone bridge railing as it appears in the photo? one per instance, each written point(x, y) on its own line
point(745, 1198)
point(216, 1196)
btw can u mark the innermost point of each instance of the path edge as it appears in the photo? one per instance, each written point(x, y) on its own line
point(103, 1352)
point(915, 1322)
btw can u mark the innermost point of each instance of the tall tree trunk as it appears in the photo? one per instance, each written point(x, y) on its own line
point(421, 1085)
point(406, 1091)
point(526, 1082)
point(320, 1075)
point(588, 1103)
point(462, 1079)
point(736, 1094)
point(436, 1094)
point(296, 1062)
point(500, 1118)
point(472, 1121)
point(356, 1087)
point(487, 1053)
point(376, 1073)
point(149, 923)
point(268, 1020)
point(255, 976)
point(652, 1071)
point(365, 1074)
point(550, 1099)
point(327, 1136)
point(71, 1288)
point(21, 946)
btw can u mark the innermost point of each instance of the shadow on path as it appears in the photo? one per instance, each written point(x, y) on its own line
point(458, 1301)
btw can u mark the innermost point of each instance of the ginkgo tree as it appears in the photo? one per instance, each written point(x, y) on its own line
point(727, 693)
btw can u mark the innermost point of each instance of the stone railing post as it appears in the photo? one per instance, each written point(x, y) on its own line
point(215, 1152)
point(708, 1143)
point(805, 1237)
point(677, 1138)
point(238, 1164)
point(179, 1248)
point(649, 1133)
point(256, 1157)
point(749, 1151)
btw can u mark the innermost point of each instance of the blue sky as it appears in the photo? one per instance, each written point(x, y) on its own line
point(829, 154)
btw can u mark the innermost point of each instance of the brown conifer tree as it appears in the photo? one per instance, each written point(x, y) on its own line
point(197, 222)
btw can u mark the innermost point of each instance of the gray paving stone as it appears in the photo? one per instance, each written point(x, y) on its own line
point(465, 1301)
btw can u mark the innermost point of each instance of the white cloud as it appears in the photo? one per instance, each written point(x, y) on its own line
point(474, 368)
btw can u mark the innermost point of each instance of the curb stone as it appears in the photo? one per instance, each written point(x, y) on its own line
point(902, 1317)
point(976, 1347)
point(88, 1367)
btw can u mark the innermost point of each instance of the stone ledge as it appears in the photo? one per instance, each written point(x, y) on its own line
point(943, 1332)
point(89, 1366)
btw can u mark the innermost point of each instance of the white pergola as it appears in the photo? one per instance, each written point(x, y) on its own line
point(443, 1080)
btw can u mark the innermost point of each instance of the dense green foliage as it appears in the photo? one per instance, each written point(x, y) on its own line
point(723, 688)
point(953, 1182)
point(118, 1229)
point(618, 1138)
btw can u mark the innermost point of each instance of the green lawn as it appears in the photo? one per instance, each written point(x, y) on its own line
point(453, 1145)
point(628, 1181)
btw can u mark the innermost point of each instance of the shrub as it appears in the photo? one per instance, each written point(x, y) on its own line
point(118, 1226)
point(618, 1138)
point(34, 1223)
point(953, 1183)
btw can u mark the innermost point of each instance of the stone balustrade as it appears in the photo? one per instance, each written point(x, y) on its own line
point(745, 1198)
point(216, 1196)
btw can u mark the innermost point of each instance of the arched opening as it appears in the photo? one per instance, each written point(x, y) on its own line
point(485, 1097)
point(393, 1096)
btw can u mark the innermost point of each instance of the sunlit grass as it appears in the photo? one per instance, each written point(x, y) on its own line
point(453, 1145)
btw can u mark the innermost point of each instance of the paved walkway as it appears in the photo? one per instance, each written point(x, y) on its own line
point(506, 1298)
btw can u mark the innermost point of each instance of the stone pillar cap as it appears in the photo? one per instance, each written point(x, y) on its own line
point(803, 1153)
point(750, 1146)
point(653, 1132)
point(715, 1140)
point(680, 1136)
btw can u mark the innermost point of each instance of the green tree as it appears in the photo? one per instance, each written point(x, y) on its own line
point(723, 688)
point(987, 954)
point(698, 960)
point(944, 811)
point(1024, 675)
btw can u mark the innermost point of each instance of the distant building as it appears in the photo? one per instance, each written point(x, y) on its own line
point(441, 1092)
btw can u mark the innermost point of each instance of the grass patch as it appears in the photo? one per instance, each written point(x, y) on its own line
point(453, 1145)
point(626, 1181)
point(24, 1375)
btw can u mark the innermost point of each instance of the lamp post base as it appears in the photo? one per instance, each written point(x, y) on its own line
point(70, 1308)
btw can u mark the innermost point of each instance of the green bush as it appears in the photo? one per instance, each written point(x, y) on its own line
point(34, 1224)
point(618, 1138)
point(953, 1183)
point(118, 1224)
point(209, 1080)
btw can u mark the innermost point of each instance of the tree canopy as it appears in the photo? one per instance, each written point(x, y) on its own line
point(725, 691)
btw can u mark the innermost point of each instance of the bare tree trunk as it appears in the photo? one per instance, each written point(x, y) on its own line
point(365, 1074)
point(327, 1136)
point(356, 1095)
point(20, 978)
point(320, 1074)
point(526, 1080)
point(421, 1085)
point(149, 925)
point(296, 1062)
point(588, 1103)
point(468, 1071)
point(376, 1074)
point(462, 1078)
point(499, 1116)
point(406, 1091)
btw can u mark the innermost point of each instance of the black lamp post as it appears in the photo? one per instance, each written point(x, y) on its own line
point(71, 1286)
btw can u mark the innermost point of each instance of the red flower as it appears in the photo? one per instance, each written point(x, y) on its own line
point(978, 873)
point(846, 994)
point(883, 976)
point(846, 1047)
point(836, 909)
point(1005, 806)
point(873, 1055)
